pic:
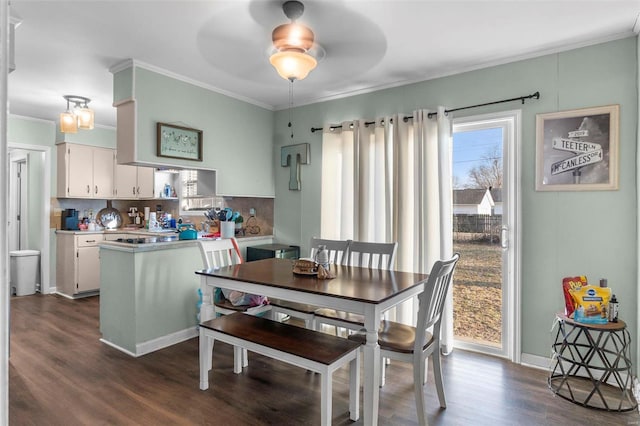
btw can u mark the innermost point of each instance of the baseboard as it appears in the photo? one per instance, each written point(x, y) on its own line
point(79, 295)
point(121, 349)
point(535, 361)
point(165, 341)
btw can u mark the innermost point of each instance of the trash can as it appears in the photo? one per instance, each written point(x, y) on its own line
point(24, 271)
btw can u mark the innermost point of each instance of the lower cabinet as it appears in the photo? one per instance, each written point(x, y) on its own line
point(78, 263)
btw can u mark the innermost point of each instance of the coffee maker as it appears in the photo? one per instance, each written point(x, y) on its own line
point(69, 220)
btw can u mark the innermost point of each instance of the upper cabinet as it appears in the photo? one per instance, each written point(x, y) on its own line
point(132, 182)
point(85, 171)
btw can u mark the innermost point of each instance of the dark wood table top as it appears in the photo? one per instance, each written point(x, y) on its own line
point(612, 326)
point(351, 282)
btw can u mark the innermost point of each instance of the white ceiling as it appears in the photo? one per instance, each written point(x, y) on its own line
point(68, 47)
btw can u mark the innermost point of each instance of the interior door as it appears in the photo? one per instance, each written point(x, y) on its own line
point(486, 212)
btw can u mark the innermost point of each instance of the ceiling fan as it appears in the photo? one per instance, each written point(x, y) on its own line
point(295, 52)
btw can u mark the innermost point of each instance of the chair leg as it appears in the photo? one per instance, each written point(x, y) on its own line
point(206, 353)
point(426, 370)
point(383, 370)
point(354, 388)
point(237, 359)
point(310, 324)
point(209, 352)
point(437, 373)
point(245, 358)
point(418, 374)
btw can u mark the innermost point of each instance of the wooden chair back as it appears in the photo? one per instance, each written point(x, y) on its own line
point(372, 255)
point(336, 248)
point(432, 300)
point(219, 253)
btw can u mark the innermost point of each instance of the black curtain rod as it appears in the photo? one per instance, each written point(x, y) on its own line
point(432, 114)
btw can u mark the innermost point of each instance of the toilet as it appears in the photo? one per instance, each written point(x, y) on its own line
point(24, 271)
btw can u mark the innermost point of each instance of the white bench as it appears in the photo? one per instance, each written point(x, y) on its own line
point(319, 352)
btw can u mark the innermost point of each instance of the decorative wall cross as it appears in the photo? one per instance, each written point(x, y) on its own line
point(301, 154)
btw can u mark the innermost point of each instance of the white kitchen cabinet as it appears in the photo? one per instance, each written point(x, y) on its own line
point(146, 182)
point(126, 181)
point(132, 182)
point(78, 263)
point(85, 171)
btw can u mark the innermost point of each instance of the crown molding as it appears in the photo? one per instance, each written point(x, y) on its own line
point(129, 63)
point(461, 70)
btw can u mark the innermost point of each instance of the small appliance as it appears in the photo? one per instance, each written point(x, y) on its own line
point(69, 220)
point(266, 251)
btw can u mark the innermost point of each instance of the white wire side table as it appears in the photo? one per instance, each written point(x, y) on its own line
point(591, 364)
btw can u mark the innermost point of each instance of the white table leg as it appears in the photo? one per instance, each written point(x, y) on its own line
point(371, 352)
point(207, 309)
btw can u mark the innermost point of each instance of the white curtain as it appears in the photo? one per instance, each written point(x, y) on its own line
point(391, 181)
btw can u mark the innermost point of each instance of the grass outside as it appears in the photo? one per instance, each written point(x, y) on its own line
point(477, 291)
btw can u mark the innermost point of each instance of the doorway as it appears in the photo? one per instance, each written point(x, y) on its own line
point(30, 199)
point(18, 190)
point(486, 213)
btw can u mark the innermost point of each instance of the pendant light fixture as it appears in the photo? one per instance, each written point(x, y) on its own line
point(80, 117)
point(293, 44)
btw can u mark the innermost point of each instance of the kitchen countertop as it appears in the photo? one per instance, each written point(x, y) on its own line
point(161, 242)
point(143, 231)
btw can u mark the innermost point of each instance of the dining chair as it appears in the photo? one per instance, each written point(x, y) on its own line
point(366, 255)
point(337, 250)
point(217, 254)
point(414, 344)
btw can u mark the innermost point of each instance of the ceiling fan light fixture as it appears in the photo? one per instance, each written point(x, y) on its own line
point(293, 65)
point(292, 36)
point(292, 44)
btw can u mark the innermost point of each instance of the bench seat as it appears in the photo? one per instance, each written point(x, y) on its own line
point(319, 352)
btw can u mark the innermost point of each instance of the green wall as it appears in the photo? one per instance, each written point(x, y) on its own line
point(563, 233)
point(237, 136)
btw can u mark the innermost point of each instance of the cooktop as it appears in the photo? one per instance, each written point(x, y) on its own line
point(147, 240)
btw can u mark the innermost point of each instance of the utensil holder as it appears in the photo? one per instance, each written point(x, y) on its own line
point(227, 229)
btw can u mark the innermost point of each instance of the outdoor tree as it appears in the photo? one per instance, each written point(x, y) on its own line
point(488, 174)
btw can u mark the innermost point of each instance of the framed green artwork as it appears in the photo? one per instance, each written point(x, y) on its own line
point(179, 142)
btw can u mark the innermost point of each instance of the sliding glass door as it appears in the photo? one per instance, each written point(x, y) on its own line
point(485, 220)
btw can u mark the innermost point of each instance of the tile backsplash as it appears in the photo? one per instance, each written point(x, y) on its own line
point(261, 223)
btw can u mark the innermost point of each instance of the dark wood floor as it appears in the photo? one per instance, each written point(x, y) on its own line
point(60, 374)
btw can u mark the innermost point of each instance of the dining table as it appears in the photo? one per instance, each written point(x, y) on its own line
point(365, 291)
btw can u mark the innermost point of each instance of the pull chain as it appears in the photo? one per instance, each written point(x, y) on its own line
point(290, 104)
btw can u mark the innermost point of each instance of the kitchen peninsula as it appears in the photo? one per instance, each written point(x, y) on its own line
point(149, 292)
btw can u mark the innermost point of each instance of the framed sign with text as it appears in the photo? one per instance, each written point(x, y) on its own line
point(179, 142)
point(577, 150)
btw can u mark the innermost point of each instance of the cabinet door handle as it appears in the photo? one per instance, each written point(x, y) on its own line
point(138, 190)
point(133, 190)
point(96, 189)
point(90, 241)
point(88, 189)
